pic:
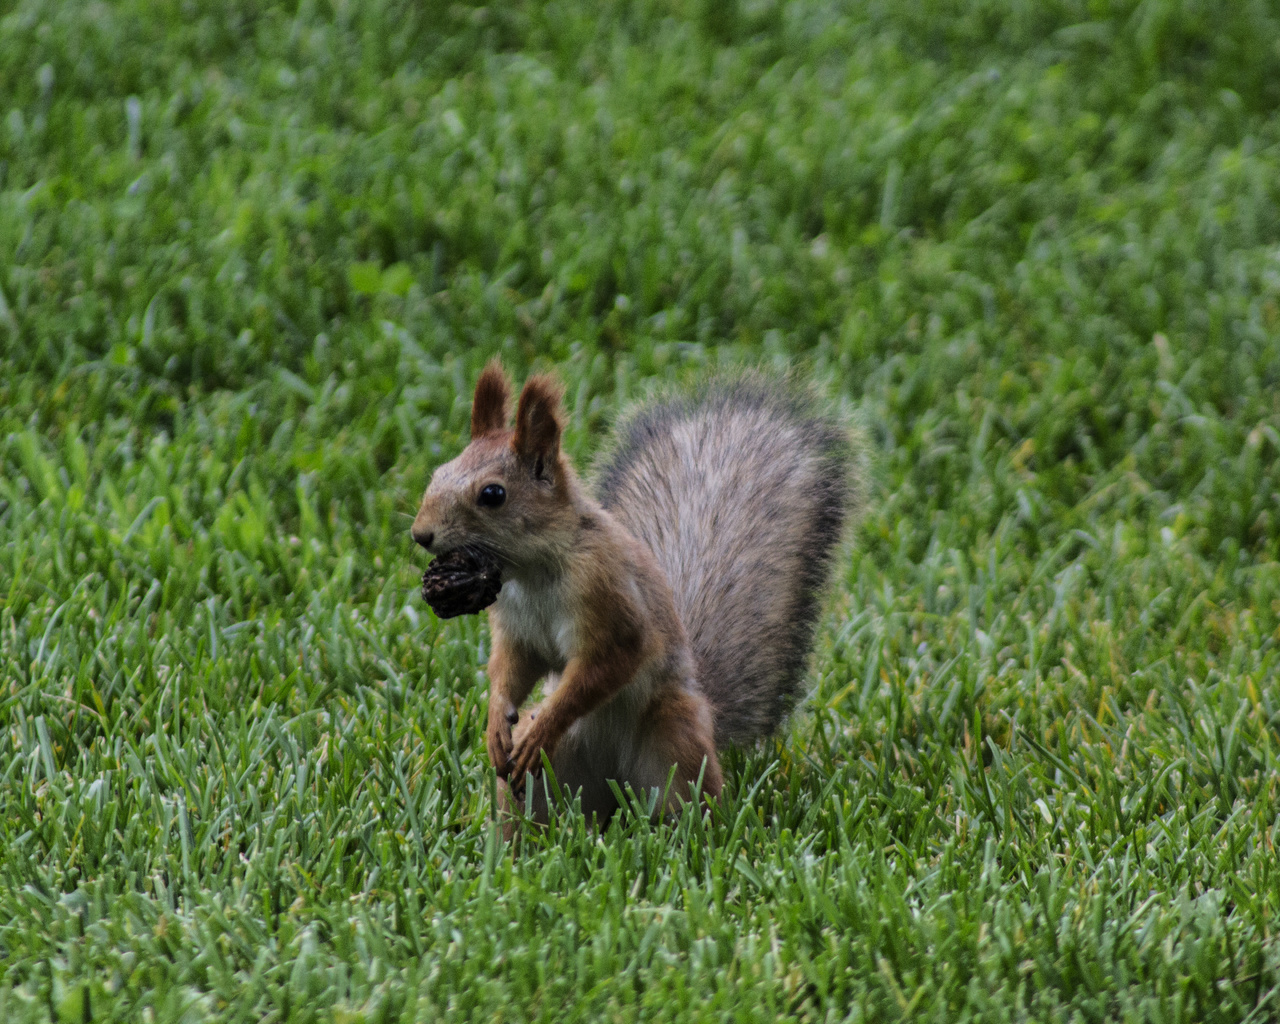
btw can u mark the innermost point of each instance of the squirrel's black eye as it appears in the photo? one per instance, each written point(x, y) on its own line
point(492, 495)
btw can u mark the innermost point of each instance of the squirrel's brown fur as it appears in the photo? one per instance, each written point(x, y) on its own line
point(670, 616)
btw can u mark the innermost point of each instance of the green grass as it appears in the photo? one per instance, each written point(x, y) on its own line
point(252, 260)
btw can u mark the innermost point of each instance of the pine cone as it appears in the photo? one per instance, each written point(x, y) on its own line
point(462, 582)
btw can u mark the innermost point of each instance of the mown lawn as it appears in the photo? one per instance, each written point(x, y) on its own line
point(252, 259)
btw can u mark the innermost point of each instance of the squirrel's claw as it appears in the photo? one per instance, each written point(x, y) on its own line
point(526, 759)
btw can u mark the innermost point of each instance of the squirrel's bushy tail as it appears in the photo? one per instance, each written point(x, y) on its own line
point(742, 492)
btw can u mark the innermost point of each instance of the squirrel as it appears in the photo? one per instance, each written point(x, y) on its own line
point(671, 611)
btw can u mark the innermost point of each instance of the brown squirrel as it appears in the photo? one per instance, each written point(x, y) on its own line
point(672, 611)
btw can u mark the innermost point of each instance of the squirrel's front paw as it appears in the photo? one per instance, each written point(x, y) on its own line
point(526, 758)
point(498, 738)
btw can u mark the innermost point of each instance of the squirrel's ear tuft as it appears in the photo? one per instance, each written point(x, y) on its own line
point(489, 407)
point(539, 420)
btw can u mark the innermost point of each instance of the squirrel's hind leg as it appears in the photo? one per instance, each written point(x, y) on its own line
point(676, 730)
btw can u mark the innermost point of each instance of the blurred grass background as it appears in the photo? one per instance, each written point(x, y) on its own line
point(252, 258)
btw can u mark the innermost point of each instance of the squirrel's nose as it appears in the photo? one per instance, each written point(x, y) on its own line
point(422, 536)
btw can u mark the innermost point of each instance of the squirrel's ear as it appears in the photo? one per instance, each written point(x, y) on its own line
point(489, 407)
point(539, 420)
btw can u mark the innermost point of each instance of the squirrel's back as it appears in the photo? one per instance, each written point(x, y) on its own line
point(742, 492)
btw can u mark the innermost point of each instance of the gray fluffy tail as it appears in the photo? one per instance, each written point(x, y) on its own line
point(742, 492)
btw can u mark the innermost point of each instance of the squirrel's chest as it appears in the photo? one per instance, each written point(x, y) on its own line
point(538, 617)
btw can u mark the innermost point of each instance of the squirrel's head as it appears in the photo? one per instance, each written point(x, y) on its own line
point(509, 488)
